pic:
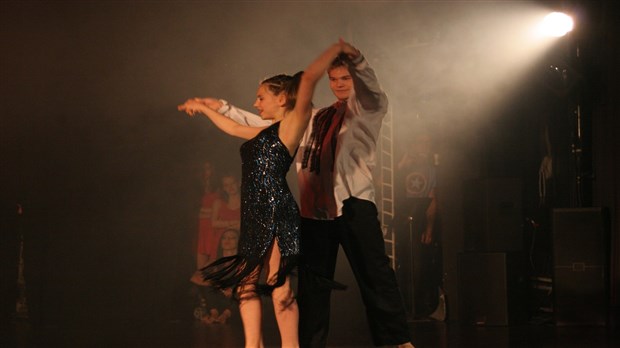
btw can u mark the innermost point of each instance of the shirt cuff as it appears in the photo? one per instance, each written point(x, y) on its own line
point(357, 60)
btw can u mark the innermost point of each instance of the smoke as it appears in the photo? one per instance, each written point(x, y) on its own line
point(90, 89)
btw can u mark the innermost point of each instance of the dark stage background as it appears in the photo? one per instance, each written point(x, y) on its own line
point(108, 172)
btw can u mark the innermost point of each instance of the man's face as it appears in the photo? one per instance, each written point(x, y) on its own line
point(340, 82)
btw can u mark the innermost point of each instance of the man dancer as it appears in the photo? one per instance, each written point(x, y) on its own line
point(334, 167)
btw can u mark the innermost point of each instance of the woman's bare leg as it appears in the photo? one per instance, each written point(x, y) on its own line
point(284, 303)
point(250, 309)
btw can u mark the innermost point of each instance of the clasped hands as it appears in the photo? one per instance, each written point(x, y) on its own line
point(194, 105)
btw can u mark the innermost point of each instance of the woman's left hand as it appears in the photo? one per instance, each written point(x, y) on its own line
point(349, 50)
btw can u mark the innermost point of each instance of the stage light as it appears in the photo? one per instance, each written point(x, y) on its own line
point(555, 24)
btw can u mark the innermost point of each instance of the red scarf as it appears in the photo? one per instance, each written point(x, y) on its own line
point(325, 129)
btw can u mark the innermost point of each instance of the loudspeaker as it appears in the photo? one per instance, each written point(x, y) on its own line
point(493, 220)
point(580, 266)
point(492, 288)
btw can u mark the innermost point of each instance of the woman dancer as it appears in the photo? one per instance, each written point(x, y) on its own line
point(269, 215)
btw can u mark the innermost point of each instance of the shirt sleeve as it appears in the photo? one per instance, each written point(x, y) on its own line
point(241, 116)
point(367, 90)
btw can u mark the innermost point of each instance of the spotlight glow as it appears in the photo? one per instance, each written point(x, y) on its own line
point(555, 24)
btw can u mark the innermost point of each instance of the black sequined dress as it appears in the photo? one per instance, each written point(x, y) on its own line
point(269, 213)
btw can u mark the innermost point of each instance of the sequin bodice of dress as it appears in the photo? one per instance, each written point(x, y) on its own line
point(268, 209)
point(269, 214)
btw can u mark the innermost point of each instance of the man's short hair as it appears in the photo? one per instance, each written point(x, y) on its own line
point(341, 61)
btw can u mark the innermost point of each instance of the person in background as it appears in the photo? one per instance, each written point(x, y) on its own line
point(225, 215)
point(417, 173)
point(226, 212)
point(420, 179)
point(219, 303)
point(207, 244)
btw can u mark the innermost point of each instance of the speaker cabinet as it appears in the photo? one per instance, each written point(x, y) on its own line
point(492, 288)
point(493, 220)
point(580, 266)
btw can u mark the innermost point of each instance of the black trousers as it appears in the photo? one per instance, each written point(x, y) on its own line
point(359, 233)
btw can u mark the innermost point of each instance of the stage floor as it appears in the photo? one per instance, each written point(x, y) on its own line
point(152, 332)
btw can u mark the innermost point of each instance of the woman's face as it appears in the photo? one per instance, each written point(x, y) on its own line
point(229, 240)
point(269, 105)
point(230, 185)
